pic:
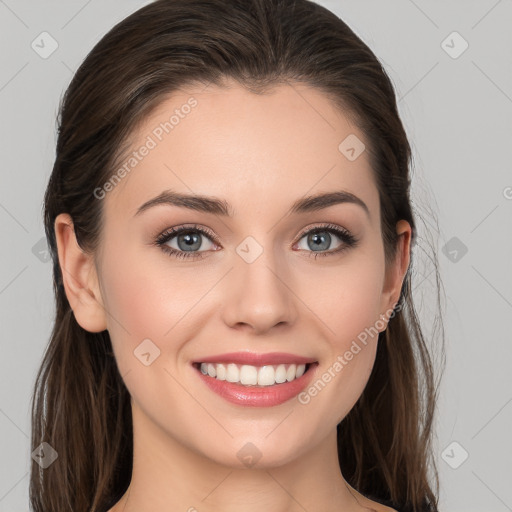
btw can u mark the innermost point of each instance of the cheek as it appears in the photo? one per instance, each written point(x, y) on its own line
point(350, 310)
point(356, 321)
point(357, 307)
point(146, 298)
point(346, 299)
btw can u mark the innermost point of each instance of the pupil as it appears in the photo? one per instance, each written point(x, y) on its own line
point(190, 240)
point(318, 240)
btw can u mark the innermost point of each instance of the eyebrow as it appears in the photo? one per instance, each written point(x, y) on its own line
point(216, 206)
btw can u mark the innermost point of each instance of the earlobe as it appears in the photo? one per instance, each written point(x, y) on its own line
point(79, 277)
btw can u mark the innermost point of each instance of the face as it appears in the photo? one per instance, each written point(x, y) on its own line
point(265, 279)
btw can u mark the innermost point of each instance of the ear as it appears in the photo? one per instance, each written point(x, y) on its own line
point(79, 277)
point(395, 273)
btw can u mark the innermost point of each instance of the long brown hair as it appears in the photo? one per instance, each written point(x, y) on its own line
point(81, 406)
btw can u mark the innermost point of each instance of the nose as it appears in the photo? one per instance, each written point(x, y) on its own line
point(258, 296)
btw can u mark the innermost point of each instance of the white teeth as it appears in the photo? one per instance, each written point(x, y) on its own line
point(249, 375)
point(290, 374)
point(281, 374)
point(266, 376)
point(232, 373)
point(221, 372)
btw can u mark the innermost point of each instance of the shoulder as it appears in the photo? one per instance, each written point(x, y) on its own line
point(371, 505)
point(378, 507)
point(382, 508)
point(374, 506)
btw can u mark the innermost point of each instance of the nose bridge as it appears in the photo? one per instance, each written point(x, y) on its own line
point(257, 293)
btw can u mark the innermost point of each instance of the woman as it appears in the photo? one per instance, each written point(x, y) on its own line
point(231, 232)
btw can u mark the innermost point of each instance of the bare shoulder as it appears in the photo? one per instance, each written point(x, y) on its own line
point(377, 507)
point(386, 509)
point(381, 508)
point(373, 506)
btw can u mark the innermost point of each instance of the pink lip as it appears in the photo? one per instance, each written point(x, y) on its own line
point(256, 359)
point(258, 396)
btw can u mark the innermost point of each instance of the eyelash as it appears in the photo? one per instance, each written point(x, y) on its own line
point(348, 240)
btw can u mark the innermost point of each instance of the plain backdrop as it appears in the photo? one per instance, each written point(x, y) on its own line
point(451, 65)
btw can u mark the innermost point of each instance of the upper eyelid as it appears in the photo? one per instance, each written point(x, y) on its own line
point(173, 232)
point(328, 226)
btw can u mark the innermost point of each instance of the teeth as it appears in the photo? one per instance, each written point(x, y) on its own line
point(248, 375)
point(232, 373)
point(220, 371)
point(266, 375)
point(280, 374)
point(290, 374)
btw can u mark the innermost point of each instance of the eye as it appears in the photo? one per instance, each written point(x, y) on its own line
point(320, 239)
point(186, 240)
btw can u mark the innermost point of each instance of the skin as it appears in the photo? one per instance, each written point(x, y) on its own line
point(260, 153)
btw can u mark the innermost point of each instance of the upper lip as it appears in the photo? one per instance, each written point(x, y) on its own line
point(254, 359)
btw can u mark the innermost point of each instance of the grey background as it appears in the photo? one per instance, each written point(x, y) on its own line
point(457, 112)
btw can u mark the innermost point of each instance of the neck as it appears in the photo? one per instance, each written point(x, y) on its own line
point(170, 476)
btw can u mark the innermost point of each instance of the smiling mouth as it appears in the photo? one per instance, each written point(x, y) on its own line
point(254, 376)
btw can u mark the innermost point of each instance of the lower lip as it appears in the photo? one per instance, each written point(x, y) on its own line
point(255, 396)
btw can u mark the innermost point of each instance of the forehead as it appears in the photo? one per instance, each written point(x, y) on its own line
point(252, 149)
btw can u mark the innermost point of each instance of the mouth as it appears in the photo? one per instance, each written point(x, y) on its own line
point(256, 386)
point(254, 376)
